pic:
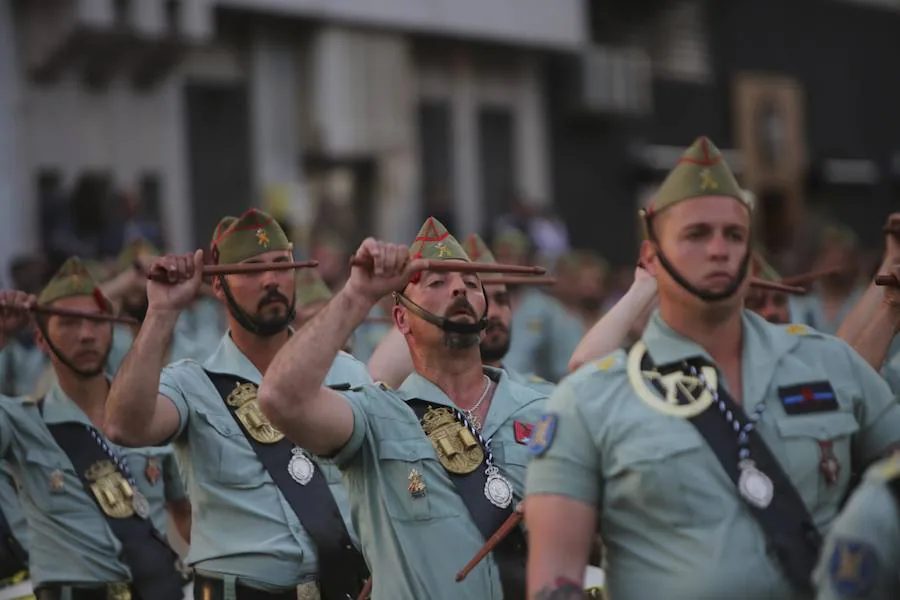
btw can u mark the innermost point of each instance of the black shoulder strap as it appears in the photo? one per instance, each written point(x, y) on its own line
point(149, 558)
point(893, 485)
point(13, 557)
point(342, 569)
point(511, 553)
point(786, 522)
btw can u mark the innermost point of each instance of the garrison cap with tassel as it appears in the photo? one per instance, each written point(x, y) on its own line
point(74, 279)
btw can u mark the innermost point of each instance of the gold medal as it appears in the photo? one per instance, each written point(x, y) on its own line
point(457, 449)
point(113, 493)
point(243, 399)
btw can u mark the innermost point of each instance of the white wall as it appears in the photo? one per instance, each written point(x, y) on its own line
point(467, 86)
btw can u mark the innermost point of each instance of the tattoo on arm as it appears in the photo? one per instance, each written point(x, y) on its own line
point(562, 589)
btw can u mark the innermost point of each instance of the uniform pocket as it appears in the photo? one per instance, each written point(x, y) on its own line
point(221, 454)
point(667, 475)
point(400, 461)
point(809, 438)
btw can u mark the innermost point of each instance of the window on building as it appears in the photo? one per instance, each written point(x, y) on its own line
point(436, 170)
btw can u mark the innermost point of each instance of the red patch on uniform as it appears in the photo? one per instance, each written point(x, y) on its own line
point(523, 432)
point(807, 394)
point(152, 472)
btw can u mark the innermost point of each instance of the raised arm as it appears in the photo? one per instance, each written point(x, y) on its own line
point(391, 363)
point(14, 315)
point(136, 414)
point(613, 328)
point(291, 394)
point(860, 317)
point(883, 322)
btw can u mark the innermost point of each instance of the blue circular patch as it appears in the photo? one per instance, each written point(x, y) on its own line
point(853, 568)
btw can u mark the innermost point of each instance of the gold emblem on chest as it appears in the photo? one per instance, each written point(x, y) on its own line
point(457, 449)
point(112, 491)
point(243, 400)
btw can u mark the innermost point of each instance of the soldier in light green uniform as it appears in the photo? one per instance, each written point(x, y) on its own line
point(21, 364)
point(544, 334)
point(862, 549)
point(13, 532)
point(498, 335)
point(717, 449)
point(434, 467)
point(815, 309)
point(199, 327)
point(250, 532)
point(77, 542)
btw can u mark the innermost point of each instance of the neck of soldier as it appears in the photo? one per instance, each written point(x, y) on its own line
point(259, 350)
point(88, 393)
point(458, 373)
point(718, 330)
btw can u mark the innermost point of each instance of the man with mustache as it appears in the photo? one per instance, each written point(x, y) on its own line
point(96, 512)
point(435, 467)
point(269, 517)
point(391, 362)
point(717, 450)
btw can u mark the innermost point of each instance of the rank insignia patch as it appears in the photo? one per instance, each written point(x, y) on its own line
point(813, 397)
point(543, 434)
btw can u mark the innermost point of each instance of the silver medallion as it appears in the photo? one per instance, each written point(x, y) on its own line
point(497, 489)
point(754, 485)
point(301, 467)
point(140, 504)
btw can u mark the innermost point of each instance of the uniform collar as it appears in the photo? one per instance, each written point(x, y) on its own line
point(763, 345)
point(59, 408)
point(502, 406)
point(229, 360)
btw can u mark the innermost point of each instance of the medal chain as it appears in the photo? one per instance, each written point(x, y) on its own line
point(470, 412)
point(742, 430)
point(120, 461)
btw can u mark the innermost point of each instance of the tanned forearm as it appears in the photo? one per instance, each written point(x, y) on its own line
point(561, 589)
point(299, 369)
point(857, 320)
point(873, 342)
point(391, 362)
point(132, 401)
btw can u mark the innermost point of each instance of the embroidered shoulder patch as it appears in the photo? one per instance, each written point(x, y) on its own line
point(853, 568)
point(522, 432)
point(543, 435)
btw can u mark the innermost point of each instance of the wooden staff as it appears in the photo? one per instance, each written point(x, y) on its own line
point(525, 280)
point(459, 266)
point(159, 274)
point(367, 590)
point(78, 314)
point(887, 281)
point(774, 286)
point(504, 530)
point(805, 278)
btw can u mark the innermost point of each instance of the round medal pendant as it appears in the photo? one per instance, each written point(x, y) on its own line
point(497, 489)
point(140, 504)
point(754, 485)
point(301, 467)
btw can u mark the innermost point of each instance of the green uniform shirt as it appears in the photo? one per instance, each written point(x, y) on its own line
point(809, 310)
point(861, 553)
point(673, 522)
point(544, 336)
point(12, 506)
point(20, 368)
point(535, 382)
point(415, 545)
point(242, 525)
point(69, 539)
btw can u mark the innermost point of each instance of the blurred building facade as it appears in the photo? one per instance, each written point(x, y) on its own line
point(384, 109)
point(795, 92)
